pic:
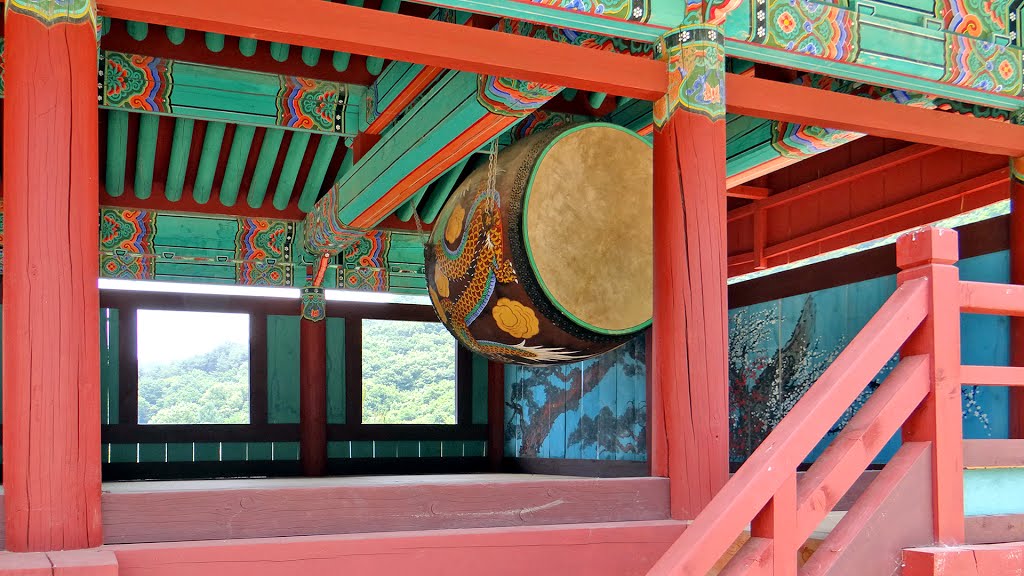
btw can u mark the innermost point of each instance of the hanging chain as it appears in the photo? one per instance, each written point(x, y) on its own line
point(492, 165)
point(419, 227)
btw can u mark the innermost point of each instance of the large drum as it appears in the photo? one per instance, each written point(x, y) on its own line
point(554, 264)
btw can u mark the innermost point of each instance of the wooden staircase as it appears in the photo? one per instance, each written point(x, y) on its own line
point(917, 499)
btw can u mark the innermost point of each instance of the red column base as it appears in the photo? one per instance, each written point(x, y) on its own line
point(92, 562)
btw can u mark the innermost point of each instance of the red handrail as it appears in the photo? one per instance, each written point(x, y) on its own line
point(776, 459)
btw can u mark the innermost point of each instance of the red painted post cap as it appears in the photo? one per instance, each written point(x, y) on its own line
point(928, 245)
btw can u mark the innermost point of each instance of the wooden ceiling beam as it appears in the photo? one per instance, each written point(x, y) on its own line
point(749, 192)
point(339, 27)
point(800, 104)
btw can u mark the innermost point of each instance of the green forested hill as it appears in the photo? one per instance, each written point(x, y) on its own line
point(408, 377)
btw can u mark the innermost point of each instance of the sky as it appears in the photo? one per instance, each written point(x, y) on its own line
point(166, 336)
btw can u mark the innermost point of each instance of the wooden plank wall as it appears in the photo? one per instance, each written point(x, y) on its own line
point(784, 330)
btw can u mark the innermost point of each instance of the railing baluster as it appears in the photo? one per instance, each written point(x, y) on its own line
point(777, 520)
point(931, 253)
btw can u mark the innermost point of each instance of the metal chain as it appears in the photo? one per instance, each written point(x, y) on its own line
point(492, 165)
point(419, 227)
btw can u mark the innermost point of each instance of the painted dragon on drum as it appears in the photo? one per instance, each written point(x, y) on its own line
point(479, 256)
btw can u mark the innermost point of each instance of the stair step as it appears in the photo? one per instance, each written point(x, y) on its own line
point(985, 560)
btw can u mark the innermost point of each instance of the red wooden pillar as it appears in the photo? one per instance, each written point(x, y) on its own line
point(690, 338)
point(931, 254)
point(1017, 277)
point(313, 383)
point(51, 368)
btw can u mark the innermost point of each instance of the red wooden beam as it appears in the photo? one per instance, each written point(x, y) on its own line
point(343, 28)
point(992, 375)
point(748, 192)
point(51, 361)
point(814, 107)
point(991, 298)
point(845, 176)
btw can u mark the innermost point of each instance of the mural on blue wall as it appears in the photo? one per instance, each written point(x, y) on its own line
point(594, 409)
point(777, 350)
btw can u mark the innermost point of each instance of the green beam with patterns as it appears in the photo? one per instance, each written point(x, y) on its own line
point(183, 89)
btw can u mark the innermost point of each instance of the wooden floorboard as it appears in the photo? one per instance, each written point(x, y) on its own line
point(259, 508)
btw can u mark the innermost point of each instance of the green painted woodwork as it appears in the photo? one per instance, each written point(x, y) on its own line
point(993, 491)
point(207, 451)
point(137, 30)
point(385, 449)
point(180, 452)
point(247, 46)
point(290, 169)
point(430, 449)
point(440, 191)
point(264, 166)
point(279, 51)
point(177, 164)
point(104, 26)
point(569, 94)
point(338, 449)
point(317, 171)
point(449, 108)
point(124, 452)
point(452, 448)
point(336, 371)
point(145, 155)
point(110, 362)
point(214, 42)
point(479, 412)
point(175, 35)
point(310, 56)
point(208, 158)
point(233, 451)
point(206, 248)
point(361, 449)
point(117, 151)
point(346, 165)
point(405, 211)
point(388, 86)
point(340, 61)
point(152, 452)
point(259, 450)
point(596, 99)
point(183, 89)
point(286, 450)
point(407, 449)
point(237, 157)
point(282, 370)
point(474, 448)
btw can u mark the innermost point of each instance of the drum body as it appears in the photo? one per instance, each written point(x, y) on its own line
point(553, 265)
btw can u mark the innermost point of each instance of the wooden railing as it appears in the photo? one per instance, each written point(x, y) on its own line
point(921, 397)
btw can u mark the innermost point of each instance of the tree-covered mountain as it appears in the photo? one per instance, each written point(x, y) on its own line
point(408, 377)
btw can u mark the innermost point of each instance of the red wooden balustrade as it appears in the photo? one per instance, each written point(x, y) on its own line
point(920, 321)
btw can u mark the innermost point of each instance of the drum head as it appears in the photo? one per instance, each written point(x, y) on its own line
point(587, 227)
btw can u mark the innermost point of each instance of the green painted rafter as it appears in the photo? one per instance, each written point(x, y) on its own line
point(290, 169)
point(117, 151)
point(317, 171)
point(145, 155)
point(212, 141)
point(440, 191)
point(177, 165)
point(237, 157)
point(264, 167)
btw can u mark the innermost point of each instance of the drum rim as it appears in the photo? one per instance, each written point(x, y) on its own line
point(528, 189)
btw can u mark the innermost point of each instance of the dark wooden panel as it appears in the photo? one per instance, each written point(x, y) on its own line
point(976, 239)
point(223, 509)
point(567, 467)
